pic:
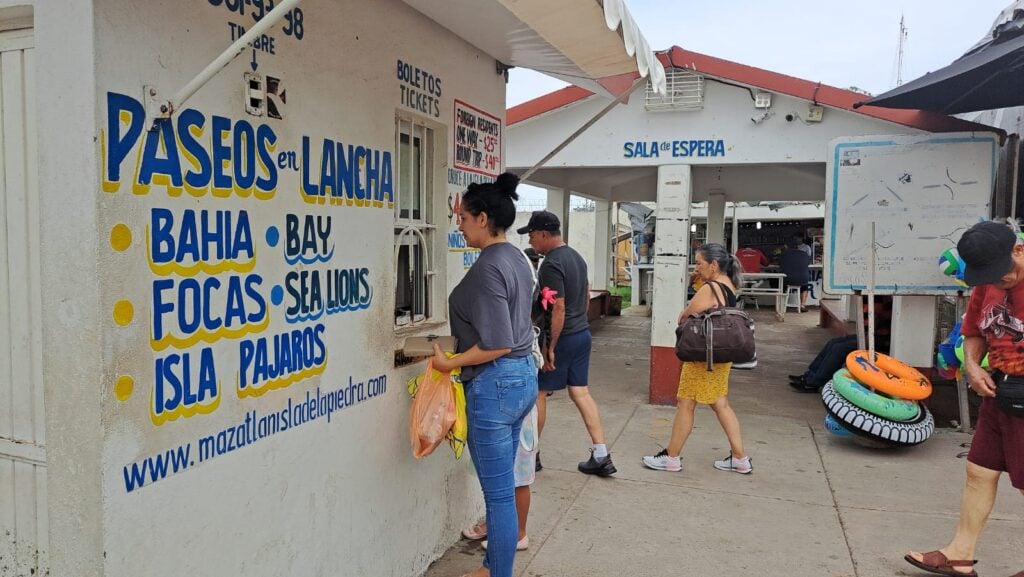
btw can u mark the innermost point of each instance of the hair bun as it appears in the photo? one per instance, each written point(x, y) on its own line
point(507, 183)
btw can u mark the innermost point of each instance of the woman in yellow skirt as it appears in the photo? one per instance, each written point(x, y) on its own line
point(720, 273)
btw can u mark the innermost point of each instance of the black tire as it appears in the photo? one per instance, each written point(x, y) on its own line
point(864, 424)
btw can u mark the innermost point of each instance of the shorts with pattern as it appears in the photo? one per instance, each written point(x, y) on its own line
point(696, 383)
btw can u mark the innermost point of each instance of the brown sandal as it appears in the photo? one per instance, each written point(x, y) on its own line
point(936, 562)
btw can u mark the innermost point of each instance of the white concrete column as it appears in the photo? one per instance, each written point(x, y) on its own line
point(672, 248)
point(716, 216)
point(77, 335)
point(735, 231)
point(558, 203)
point(853, 308)
point(913, 324)
point(602, 245)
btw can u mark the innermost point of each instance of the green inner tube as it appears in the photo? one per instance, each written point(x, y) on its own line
point(872, 402)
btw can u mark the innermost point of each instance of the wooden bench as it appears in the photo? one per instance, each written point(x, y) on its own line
point(598, 305)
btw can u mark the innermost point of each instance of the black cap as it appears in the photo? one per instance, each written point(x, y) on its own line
point(541, 220)
point(987, 250)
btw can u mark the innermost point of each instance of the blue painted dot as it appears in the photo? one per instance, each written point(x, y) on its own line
point(273, 236)
point(276, 295)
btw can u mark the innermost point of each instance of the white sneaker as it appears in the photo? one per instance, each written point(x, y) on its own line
point(521, 545)
point(746, 366)
point(477, 531)
point(663, 462)
point(742, 466)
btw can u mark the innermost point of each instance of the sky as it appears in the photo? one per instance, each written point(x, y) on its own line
point(842, 44)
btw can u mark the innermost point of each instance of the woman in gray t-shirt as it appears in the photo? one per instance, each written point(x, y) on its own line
point(489, 312)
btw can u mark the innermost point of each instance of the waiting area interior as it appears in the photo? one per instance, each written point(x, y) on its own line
point(759, 245)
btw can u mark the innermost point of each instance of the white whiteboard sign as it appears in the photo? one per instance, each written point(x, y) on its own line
point(922, 191)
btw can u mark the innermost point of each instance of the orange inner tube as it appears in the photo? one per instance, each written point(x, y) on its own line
point(888, 375)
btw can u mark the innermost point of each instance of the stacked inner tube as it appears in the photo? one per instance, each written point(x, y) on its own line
point(879, 400)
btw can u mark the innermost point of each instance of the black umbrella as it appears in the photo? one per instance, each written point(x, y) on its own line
point(988, 77)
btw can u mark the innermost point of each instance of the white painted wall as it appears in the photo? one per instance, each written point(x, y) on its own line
point(342, 497)
point(601, 246)
point(581, 238)
point(913, 317)
point(726, 116)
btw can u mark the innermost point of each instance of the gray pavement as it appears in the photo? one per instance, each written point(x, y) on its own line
point(816, 505)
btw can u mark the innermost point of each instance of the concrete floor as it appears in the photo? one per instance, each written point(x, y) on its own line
point(816, 505)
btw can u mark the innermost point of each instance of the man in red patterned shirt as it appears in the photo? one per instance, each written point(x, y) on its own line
point(995, 266)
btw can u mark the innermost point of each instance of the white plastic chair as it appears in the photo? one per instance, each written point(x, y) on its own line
point(793, 298)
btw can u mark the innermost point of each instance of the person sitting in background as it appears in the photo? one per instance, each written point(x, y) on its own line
point(695, 244)
point(752, 259)
point(795, 264)
point(830, 359)
point(804, 246)
point(833, 355)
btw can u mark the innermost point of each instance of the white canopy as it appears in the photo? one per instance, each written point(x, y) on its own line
point(593, 44)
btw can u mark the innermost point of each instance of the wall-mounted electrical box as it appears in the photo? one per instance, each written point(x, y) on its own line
point(255, 94)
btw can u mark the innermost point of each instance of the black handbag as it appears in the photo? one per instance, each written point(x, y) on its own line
point(1010, 395)
point(721, 334)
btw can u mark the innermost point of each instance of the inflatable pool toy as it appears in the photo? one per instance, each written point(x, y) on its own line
point(875, 403)
point(958, 350)
point(832, 426)
point(953, 266)
point(888, 375)
point(945, 371)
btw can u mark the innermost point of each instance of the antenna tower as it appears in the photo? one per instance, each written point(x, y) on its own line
point(899, 55)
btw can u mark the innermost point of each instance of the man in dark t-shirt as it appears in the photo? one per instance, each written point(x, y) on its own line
point(567, 350)
point(795, 264)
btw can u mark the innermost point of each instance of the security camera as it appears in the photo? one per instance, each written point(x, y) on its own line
point(790, 117)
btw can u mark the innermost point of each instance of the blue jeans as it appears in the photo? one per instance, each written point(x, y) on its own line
point(497, 400)
point(831, 358)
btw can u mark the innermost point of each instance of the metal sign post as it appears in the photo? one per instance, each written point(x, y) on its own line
point(871, 296)
point(862, 342)
point(961, 383)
